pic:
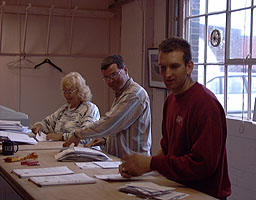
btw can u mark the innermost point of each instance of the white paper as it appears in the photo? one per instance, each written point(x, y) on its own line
point(118, 177)
point(152, 190)
point(108, 164)
point(79, 178)
point(17, 137)
point(172, 196)
point(41, 137)
point(87, 165)
point(81, 154)
point(10, 123)
point(49, 171)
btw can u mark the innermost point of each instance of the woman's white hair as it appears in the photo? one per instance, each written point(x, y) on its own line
point(75, 80)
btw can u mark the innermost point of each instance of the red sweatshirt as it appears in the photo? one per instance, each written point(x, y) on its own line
point(193, 141)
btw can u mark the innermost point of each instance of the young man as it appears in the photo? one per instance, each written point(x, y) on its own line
point(193, 144)
point(128, 123)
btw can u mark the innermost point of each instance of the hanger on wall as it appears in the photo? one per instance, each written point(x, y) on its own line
point(22, 62)
point(47, 60)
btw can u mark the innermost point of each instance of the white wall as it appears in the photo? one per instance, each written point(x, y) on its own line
point(81, 46)
point(140, 31)
point(36, 92)
point(241, 145)
point(241, 149)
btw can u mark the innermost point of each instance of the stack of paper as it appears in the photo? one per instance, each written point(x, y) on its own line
point(79, 178)
point(81, 154)
point(99, 164)
point(118, 177)
point(87, 165)
point(11, 126)
point(152, 190)
point(49, 171)
point(9, 114)
point(17, 137)
point(108, 164)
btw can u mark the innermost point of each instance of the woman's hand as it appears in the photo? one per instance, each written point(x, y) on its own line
point(54, 136)
point(37, 128)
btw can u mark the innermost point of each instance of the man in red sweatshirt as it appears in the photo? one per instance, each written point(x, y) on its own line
point(194, 132)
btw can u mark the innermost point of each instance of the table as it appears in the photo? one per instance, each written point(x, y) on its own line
point(27, 190)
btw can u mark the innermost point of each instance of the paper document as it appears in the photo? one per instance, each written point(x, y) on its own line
point(9, 123)
point(172, 196)
point(108, 164)
point(79, 178)
point(49, 171)
point(87, 165)
point(152, 190)
point(118, 177)
point(81, 154)
point(17, 137)
point(41, 137)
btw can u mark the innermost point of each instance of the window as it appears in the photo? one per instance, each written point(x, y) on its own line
point(222, 34)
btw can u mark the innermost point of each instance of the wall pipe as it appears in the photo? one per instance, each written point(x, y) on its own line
point(25, 29)
point(49, 28)
point(1, 32)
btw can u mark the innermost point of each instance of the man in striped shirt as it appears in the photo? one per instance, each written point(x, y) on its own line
point(126, 128)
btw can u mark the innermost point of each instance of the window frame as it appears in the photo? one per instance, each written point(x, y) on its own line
point(245, 61)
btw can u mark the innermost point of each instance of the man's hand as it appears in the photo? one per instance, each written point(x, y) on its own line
point(134, 165)
point(54, 136)
point(71, 140)
point(96, 142)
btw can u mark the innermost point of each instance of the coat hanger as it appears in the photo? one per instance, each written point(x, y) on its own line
point(22, 62)
point(47, 60)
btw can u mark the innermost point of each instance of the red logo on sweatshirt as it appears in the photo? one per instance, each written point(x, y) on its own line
point(179, 120)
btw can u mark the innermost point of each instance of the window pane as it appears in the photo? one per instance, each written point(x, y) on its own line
point(215, 81)
point(240, 4)
point(237, 91)
point(197, 7)
point(240, 34)
point(254, 34)
point(253, 88)
point(196, 39)
point(216, 5)
point(198, 74)
point(216, 54)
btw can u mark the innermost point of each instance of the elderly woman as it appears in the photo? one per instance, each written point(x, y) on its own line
point(78, 112)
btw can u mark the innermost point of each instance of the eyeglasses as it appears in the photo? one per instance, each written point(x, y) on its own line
point(113, 76)
point(68, 92)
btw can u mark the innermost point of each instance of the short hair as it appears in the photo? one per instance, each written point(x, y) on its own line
point(114, 59)
point(176, 43)
point(74, 79)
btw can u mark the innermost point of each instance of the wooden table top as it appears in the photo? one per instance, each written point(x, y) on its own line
point(98, 191)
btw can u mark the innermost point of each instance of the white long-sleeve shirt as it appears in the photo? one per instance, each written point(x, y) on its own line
point(66, 120)
point(127, 124)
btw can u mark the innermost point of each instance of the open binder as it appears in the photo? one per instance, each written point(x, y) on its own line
point(81, 154)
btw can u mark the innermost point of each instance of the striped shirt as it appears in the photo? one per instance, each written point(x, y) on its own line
point(65, 120)
point(127, 124)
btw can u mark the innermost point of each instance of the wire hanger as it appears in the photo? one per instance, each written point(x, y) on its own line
point(22, 62)
point(47, 60)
